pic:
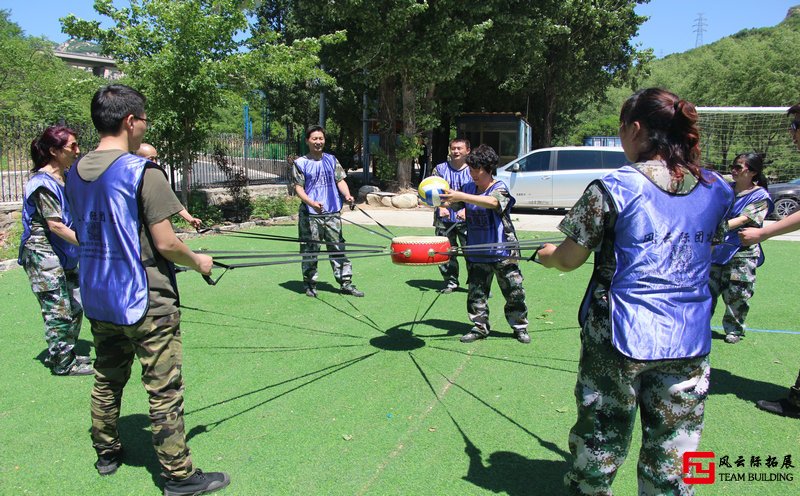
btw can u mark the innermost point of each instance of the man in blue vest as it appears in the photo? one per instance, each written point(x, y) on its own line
point(447, 221)
point(122, 206)
point(318, 181)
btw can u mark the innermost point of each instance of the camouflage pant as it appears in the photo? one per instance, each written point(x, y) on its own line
point(326, 228)
point(457, 237)
point(60, 300)
point(157, 344)
point(671, 394)
point(509, 278)
point(735, 282)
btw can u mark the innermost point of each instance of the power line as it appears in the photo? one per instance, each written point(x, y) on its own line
point(699, 28)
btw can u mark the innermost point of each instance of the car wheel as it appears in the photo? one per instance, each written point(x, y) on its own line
point(785, 207)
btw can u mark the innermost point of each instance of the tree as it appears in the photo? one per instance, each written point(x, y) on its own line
point(182, 56)
point(36, 85)
point(401, 47)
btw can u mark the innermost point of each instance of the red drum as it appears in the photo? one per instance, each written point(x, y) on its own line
point(420, 250)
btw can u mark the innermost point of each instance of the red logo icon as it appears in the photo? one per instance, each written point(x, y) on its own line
point(694, 471)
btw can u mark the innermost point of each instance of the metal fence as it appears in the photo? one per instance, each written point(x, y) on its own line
point(257, 160)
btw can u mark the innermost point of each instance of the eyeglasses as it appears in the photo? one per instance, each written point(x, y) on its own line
point(141, 119)
point(72, 146)
point(738, 167)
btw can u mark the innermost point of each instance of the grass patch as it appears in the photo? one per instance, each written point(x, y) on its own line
point(375, 395)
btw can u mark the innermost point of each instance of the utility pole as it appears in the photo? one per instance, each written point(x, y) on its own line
point(699, 28)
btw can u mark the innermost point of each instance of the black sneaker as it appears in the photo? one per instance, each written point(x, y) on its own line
point(471, 336)
point(448, 289)
point(732, 338)
point(108, 463)
point(351, 290)
point(198, 483)
point(780, 407)
point(522, 336)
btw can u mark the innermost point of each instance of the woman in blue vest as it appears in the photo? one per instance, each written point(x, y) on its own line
point(733, 273)
point(488, 206)
point(646, 314)
point(49, 250)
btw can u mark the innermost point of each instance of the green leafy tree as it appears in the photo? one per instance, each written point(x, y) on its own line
point(35, 84)
point(401, 47)
point(183, 56)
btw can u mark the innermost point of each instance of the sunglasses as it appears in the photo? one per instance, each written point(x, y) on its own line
point(72, 146)
point(737, 167)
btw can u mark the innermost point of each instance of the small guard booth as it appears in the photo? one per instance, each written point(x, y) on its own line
point(507, 132)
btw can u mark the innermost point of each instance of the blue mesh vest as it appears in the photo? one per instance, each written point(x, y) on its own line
point(67, 253)
point(107, 222)
point(320, 182)
point(456, 179)
point(724, 252)
point(659, 299)
point(485, 226)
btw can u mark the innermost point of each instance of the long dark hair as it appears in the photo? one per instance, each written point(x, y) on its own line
point(671, 124)
point(52, 137)
point(755, 163)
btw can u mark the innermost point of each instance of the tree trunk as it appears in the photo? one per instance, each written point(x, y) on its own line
point(405, 165)
point(440, 141)
point(387, 117)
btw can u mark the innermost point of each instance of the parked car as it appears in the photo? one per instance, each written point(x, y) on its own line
point(556, 177)
point(786, 197)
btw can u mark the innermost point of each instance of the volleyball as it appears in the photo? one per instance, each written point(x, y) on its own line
point(430, 188)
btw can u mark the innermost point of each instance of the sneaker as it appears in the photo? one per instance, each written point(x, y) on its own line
point(780, 407)
point(198, 483)
point(78, 369)
point(522, 336)
point(108, 463)
point(472, 336)
point(448, 289)
point(311, 292)
point(732, 338)
point(351, 290)
point(83, 359)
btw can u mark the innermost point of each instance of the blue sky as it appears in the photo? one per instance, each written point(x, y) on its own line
point(669, 29)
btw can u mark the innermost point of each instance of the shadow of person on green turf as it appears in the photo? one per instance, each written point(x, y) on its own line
point(300, 287)
point(137, 441)
point(750, 390)
point(513, 474)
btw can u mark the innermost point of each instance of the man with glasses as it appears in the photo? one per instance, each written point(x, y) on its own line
point(789, 406)
point(446, 221)
point(149, 152)
point(122, 206)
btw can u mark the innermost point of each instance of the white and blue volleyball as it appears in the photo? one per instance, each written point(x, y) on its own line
point(430, 188)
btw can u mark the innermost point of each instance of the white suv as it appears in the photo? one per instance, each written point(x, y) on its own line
point(557, 177)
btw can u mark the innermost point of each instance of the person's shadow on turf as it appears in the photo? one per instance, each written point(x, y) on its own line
point(137, 441)
point(513, 474)
point(750, 390)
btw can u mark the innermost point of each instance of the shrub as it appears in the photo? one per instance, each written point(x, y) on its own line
point(275, 206)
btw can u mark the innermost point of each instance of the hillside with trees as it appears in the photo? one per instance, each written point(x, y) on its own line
point(752, 68)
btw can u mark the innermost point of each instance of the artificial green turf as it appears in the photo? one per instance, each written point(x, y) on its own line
point(374, 395)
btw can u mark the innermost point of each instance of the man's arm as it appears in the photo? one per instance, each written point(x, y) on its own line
point(753, 235)
point(301, 193)
point(344, 189)
point(174, 250)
